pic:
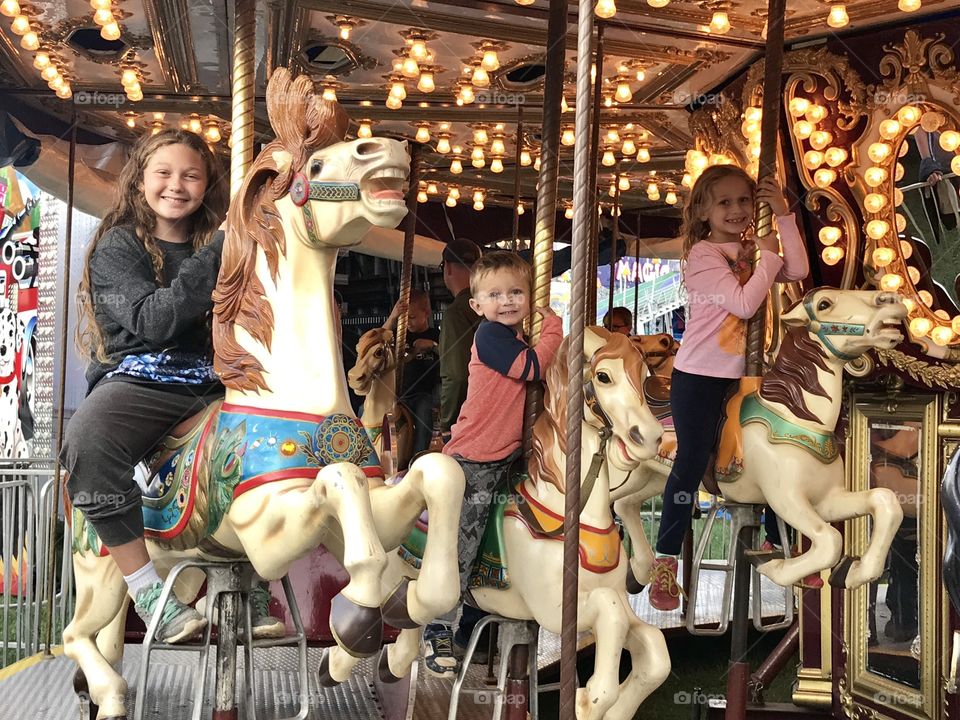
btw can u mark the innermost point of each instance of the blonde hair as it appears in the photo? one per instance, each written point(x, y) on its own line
point(495, 262)
point(694, 227)
point(130, 208)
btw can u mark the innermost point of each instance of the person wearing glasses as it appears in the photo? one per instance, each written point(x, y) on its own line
point(619, 320)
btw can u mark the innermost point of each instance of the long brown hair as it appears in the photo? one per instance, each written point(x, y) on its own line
point(130, 208)
point(695, 228)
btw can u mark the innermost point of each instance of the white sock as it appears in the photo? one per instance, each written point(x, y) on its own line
point(144, 577)
point(667, 555)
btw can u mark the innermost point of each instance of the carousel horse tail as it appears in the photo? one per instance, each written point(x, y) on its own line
point(950, 498)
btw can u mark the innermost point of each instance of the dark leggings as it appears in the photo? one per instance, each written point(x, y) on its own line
point(114, 428)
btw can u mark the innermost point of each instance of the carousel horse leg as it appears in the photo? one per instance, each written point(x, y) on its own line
point(884, 508)
point(602, 610)
point(110, 639)
point(101, 592)
point(396, 659)
point(629, 509)
point(650, 666)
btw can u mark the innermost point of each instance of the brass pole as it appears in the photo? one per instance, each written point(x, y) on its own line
point(516, 179)
point(614, 239)
point(594, 190)
point(406, 270)
point(636, 278)
point(244, 75)
point(769, 137)
point(584, 159)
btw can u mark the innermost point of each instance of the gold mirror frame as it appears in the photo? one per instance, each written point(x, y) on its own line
point(865, 693)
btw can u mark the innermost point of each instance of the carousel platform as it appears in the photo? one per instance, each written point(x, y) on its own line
point(43, 690)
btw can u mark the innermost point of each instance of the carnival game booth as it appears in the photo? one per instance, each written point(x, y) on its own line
point(853, 106)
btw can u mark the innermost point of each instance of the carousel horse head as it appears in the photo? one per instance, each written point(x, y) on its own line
point(847, 323)
point(614, 405)
point(658, 352)
point(375, 357)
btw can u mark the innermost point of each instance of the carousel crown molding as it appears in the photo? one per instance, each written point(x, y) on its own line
point(173, 42)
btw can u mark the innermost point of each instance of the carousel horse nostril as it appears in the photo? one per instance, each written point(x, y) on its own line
point(636, 436)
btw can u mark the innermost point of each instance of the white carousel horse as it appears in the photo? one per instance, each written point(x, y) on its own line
point(618, 433)
point(788, 457)
point(283, 466)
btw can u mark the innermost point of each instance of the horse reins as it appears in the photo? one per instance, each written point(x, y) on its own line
point(823, 329)
point(302, 190)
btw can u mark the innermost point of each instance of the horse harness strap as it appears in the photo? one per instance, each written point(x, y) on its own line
point(822, 446)
point(823, 329)
point(303, 190)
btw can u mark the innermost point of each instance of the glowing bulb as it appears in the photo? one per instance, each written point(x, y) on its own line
point(909, 115)
point(720, 23)
point(20, 25)
point(802, 129)
point(345, 29)
point(422, 196)
point(624, 94)
point(608, 159)
point(897, 196)
point(365, 130)
point(490, 60)
point(878, 152)
point(418, 50)
point(497, 147)
point(480, 136)
point(477, 153)
point(64, 92)
point(687, 180)
point(131, 121)
point(41, 60)
point(536, 163)
point(394, 103)
point(889, 129)
point(671, 198)
point(49, 72)
point(451, 201)
point(875, 176)
point(832, 255)
point(398, 91)
point(612, 192)
point(100, 4)
point(820, 139)
point(901, 226)
point(478, 163)
point(909, 5)
point(454, 193)
point(829, 234)
point(835, 156)
point(443, 144)
point(110, 31)
point(641, 74)
point(409, 67)
point(194, 124)
point(613, 136)
point(56, 83)
point(606, 9)
point(950, 140)
point(798, 106)
point(816, 113)
point(883, 256)
point(920, 326)
point(874, 202)
point(643, 154)
point(423, 134)
point(563, 104)
point(812, 159)
point(629, 147)
point(906, 249)
point(30, 41)
point(941, 335)
point(658, 3)
point(824, 177)
point(425, 83)
point(914, 274)
point(623, 183)
point(103, 16)
point(478, 195)
point(128, 77)
point(525, 159)
point(652, 188)
point(877, 229)
point(330, 93)
point(838, 17)
point(955, 165)
point(568, 213)
point(480, 77)
point(891, 282)
point(925, 297)
point(10, 8)
point(496, 165)
point(568, 138)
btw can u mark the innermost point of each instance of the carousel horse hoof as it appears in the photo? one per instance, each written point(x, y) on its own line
point(383, 669)
point(82, 690)
point(323, 673)
point(357, 629)
point(838, 576)
point(634, 586)
point(395, 613)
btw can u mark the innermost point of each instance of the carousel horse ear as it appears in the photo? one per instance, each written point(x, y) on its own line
point(795, 316)
point(300, 190)
point(282, 158)
point(593, 339)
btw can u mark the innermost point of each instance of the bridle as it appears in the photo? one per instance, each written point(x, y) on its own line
point(302, 190)
point(823, 329)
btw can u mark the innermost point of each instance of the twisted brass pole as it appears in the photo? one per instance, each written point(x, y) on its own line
point(594, 190)
point(406, 269)
point(582, 222)
point(614, 239)
point(636, 278)
point(516, 179)
point(769, 137)
point(244, 74)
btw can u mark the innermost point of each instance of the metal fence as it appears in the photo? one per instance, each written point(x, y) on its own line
point(26, 503)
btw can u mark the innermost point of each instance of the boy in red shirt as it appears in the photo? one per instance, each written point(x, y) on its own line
point(486, 437)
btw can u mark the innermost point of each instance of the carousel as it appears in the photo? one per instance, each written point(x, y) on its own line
point(358, 138)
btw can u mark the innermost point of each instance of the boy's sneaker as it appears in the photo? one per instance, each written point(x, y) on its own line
point(664, 590)
point(437, 649)
point(178, 622)
point(480, 654)
point(262, 623)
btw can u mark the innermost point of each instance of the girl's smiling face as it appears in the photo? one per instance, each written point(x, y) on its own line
point(731, 209)
point(174, 183)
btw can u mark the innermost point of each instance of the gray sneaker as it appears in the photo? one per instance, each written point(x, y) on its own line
point(262, 623)
point(179, 622)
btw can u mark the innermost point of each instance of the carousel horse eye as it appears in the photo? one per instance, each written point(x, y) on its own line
point(603, 378)
point(378, 352)
point(824, 305)
point(315, 167)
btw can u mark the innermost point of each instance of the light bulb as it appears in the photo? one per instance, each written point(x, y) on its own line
point(10, 8)
point(212, 133)
point(612, 192)
point(798, 106)
point(490, 60)
point(874, 202)
point(496, 165)
point(454, 193)
point(110, 31)
point(925, 297)
point(909, 5)
point(41, 60)
point(64, 92)
point(418, 50)
point(20, 25)
point(478, 195)
point(480, 136)
point(49, 72)
point(955, 165)
point(497, 147)
point(478, 163)
point(883, 256)
point(802, 129)
point(478, 205)
point(889, 129)
point(422, 196)
point(830, 234)
point(103, 16)
point(835, 156)
point(536, 163)
point(824, 177)
point(658, 3)
point(606, 9)
point(875, 176)
point(613, 135)
point(398, 91)
point(906, 249)
point(820, 139)
point(568, 137)
point(131, 121)
point(133, 89)
point(608, 159)
point(920, 326)
point(329, 94)
point(394, 103)
point(409, 67)
point(568, 213)
point(878, 152)
point(520, 209)
point(525, 159)
point(480, 77)
point(641, 74)
point(941, 335)
point(654, 196)
point(432, 188)
point(816, 113)
point(909, 115)
point(832, 255)
point(345, 29)
point(30, 41)
point(671, 198)
point(426, 84)
point(129, 77)
point(451, 201)
point(623, 183)
point(624, 94)
point(891, 282)
point(643, 154)
point(812, 159)
point(914, 274)
point(477, 153)
point(101, 4)
point(950, 140)
point(56, 83)
point(524, 2)
point(443, 144)
point(877, 229)
point(720, 23)
point(652, 188)
point(365, 130)
point(194, 124)
point(838, 17)
point(687, 180)
point(629, 147)
point(423, 134)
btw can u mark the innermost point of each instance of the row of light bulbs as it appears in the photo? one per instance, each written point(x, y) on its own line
point(49, 69)
point(208, 127)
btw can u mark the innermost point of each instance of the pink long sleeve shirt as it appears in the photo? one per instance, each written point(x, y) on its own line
point(490, 425)
point(714, 342)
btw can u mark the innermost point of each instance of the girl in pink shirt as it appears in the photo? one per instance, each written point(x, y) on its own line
point(722, 296)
